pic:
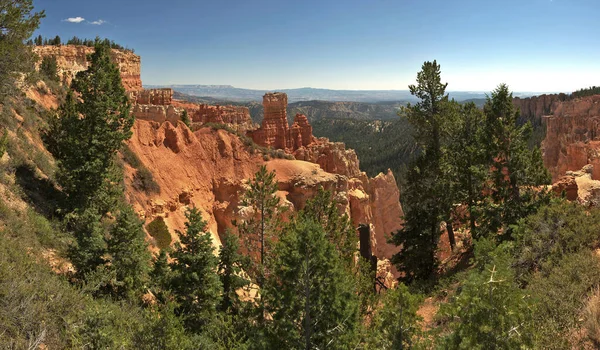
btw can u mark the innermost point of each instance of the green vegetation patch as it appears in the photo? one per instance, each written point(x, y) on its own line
point(160, 232)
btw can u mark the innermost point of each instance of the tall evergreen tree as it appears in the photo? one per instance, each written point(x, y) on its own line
point(309, 293)
point(515, 168)
point(426, 189)
point(129, 255)
point(89, 130)
point(258, 229)
point(195, 282)
point(466, 164)
point(231, 263)
point(17, 23)
point(160, 276)
point(88, 252)
point(338, 227)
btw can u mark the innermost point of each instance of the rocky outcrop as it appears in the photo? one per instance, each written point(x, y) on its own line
point(156, 113)
point(579, 186)
point(232, 115)
point(163, 97)
point(72, 59)
point(275, 131)
point(333, 157)
point(573, 137)
point(208, 169)
point(536, 107)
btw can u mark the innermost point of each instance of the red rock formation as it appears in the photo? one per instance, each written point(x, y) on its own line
point(573, 137)
point(72, 59)
point(305, 130)
point(208, 168)
point(333, 157)
point(163, 97)
point(157, 113)
point(221, 114)
point(275, 131)
point(534, 108)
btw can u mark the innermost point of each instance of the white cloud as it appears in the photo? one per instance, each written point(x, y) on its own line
point(98, 22)
point(74, 19)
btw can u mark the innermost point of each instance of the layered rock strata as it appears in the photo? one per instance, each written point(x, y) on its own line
point(536, 107)
point(163, 97)
point(573, 137)
point(72, 59)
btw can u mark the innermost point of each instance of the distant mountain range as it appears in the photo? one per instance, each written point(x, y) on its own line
point(230, 93)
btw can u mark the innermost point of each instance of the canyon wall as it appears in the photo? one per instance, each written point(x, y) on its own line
point(208, 169)
point(573, 137)
point(535, 107)
point(72, 59)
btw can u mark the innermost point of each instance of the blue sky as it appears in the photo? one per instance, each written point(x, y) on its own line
point(533, 45)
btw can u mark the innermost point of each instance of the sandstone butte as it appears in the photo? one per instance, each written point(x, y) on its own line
point(208, 168)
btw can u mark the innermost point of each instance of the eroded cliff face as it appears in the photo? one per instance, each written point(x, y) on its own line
point(208, 169)
point(72, 59)
point(573, 137)
point(536, 107)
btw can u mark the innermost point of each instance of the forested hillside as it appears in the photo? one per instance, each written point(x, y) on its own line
point(380, 145)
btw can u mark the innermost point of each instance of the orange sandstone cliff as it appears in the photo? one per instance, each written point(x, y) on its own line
point(72, 59)
point(573, 137)
point(536, 107)
point(208, 169)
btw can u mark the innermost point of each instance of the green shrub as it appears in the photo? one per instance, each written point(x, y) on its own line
point(560, 295)
point(130, 158)
point(49, 68)
point(160, 232)
point(556, 230)
point(144, 181)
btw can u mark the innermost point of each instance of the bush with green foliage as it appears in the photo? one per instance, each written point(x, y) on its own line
point(490, 311)
point(160, 232)
point(49, 68)
point(555, 231)
point(396, 324)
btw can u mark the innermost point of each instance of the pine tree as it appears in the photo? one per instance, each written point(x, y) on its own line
point(186, 119)
point(257, 230)
point(338, 227)
point(231, 264)
point(88, 131)
point(465, 161)
point(195, 282)
point(160, 276)
point(515, 169)
point(39, 40)
point(49, 68)
point(309, 293)
point(17, 22)
point(426, 189)
point(129, 255)
point(88, 253)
